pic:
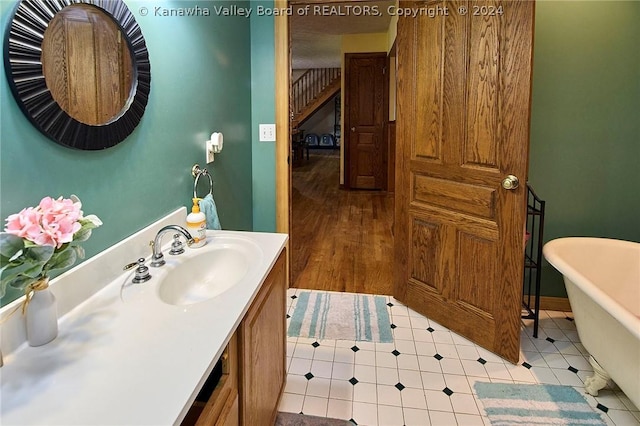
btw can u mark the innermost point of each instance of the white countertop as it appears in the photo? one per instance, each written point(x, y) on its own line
point(128, 359)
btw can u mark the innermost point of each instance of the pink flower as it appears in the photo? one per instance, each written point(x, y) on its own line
point(59, 221)
point(25, 224)
point(51, 223)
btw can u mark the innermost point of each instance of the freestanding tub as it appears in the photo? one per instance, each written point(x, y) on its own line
point(602, 278)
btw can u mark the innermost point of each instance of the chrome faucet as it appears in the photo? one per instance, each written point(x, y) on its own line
point(158, 258)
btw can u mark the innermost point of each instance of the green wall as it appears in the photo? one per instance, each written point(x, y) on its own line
point(585, 127)
point(216, 73)
point(263, 111)
point(200, 83)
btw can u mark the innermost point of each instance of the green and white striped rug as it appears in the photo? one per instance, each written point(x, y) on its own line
point(341, 316)
point(520, 404)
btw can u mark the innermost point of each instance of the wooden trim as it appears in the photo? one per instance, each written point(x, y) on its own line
point(385, 128)
point(391, 143)
point(283, 76)
point(345, 132)
point(549, 303)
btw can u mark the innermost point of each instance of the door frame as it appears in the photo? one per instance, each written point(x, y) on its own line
point(282, 82)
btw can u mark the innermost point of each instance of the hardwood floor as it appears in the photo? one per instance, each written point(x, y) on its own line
point(340, 240)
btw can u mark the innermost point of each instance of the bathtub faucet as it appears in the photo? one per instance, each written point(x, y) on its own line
point(158, 258)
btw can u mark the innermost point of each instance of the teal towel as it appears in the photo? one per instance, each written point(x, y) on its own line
point(208, 207)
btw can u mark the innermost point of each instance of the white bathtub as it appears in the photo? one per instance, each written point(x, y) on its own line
point(602, 277)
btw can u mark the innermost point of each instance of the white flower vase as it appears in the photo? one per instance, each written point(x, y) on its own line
point(42, 315)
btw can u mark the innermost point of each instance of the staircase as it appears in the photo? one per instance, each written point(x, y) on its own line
point(311, 91)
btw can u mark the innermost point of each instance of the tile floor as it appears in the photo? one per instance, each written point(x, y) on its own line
point(426, 376)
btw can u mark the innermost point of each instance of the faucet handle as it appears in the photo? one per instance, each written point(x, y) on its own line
point(176, 246)
point(142, 271)
point(156, 259)
point(131, 265)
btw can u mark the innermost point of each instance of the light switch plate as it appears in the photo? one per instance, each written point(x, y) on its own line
point(267, 132)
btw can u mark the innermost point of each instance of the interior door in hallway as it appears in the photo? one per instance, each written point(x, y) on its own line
point(364, 120)
point(464, 85)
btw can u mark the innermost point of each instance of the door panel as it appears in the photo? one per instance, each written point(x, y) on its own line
point(463, 125)
point(365, 120)
point(463, 197)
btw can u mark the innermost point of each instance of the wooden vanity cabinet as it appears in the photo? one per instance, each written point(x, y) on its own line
point(262, 343)
point(253, 364)
point(221, 408)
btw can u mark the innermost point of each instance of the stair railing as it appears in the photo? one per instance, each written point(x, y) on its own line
point(309, 85)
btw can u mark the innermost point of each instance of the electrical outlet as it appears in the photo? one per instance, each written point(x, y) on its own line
point(267, 132)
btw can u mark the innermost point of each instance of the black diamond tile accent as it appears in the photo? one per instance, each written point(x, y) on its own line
point(549, 339)
point(389, 304)
point(430, 330)
point(353, 421)
point(602, 408)
point(481, 361)
point(569, 319)
point(355, 348)
point(393, 326)
point(573, 369)
point(526, 365)
point(353, 381)
point(399, 386)
point(309, 376)
point(448, 391)
point(438, 357)
point(288, 316)
point(315, 344)
point(395, 352)
point(294, 297)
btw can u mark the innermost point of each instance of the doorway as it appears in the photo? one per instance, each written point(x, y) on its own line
point(458, 249)
point(341, 240)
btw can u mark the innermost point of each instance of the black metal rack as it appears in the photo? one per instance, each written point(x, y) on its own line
point(533, 258)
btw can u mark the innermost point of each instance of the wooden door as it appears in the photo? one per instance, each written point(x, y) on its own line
point(463, 126)
point(364, 120)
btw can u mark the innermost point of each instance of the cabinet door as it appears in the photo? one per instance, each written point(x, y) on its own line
point(230, 417)
point(219, 410)
point(263, 349)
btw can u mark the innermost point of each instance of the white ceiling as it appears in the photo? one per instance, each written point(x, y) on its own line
point(316, 31)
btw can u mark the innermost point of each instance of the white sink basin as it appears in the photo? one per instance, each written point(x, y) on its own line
point(207, 272)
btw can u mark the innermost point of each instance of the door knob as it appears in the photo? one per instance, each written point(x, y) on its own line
point(511, 182)
point(353, 129)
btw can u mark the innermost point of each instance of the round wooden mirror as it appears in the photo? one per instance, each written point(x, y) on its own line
point(80, 72)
